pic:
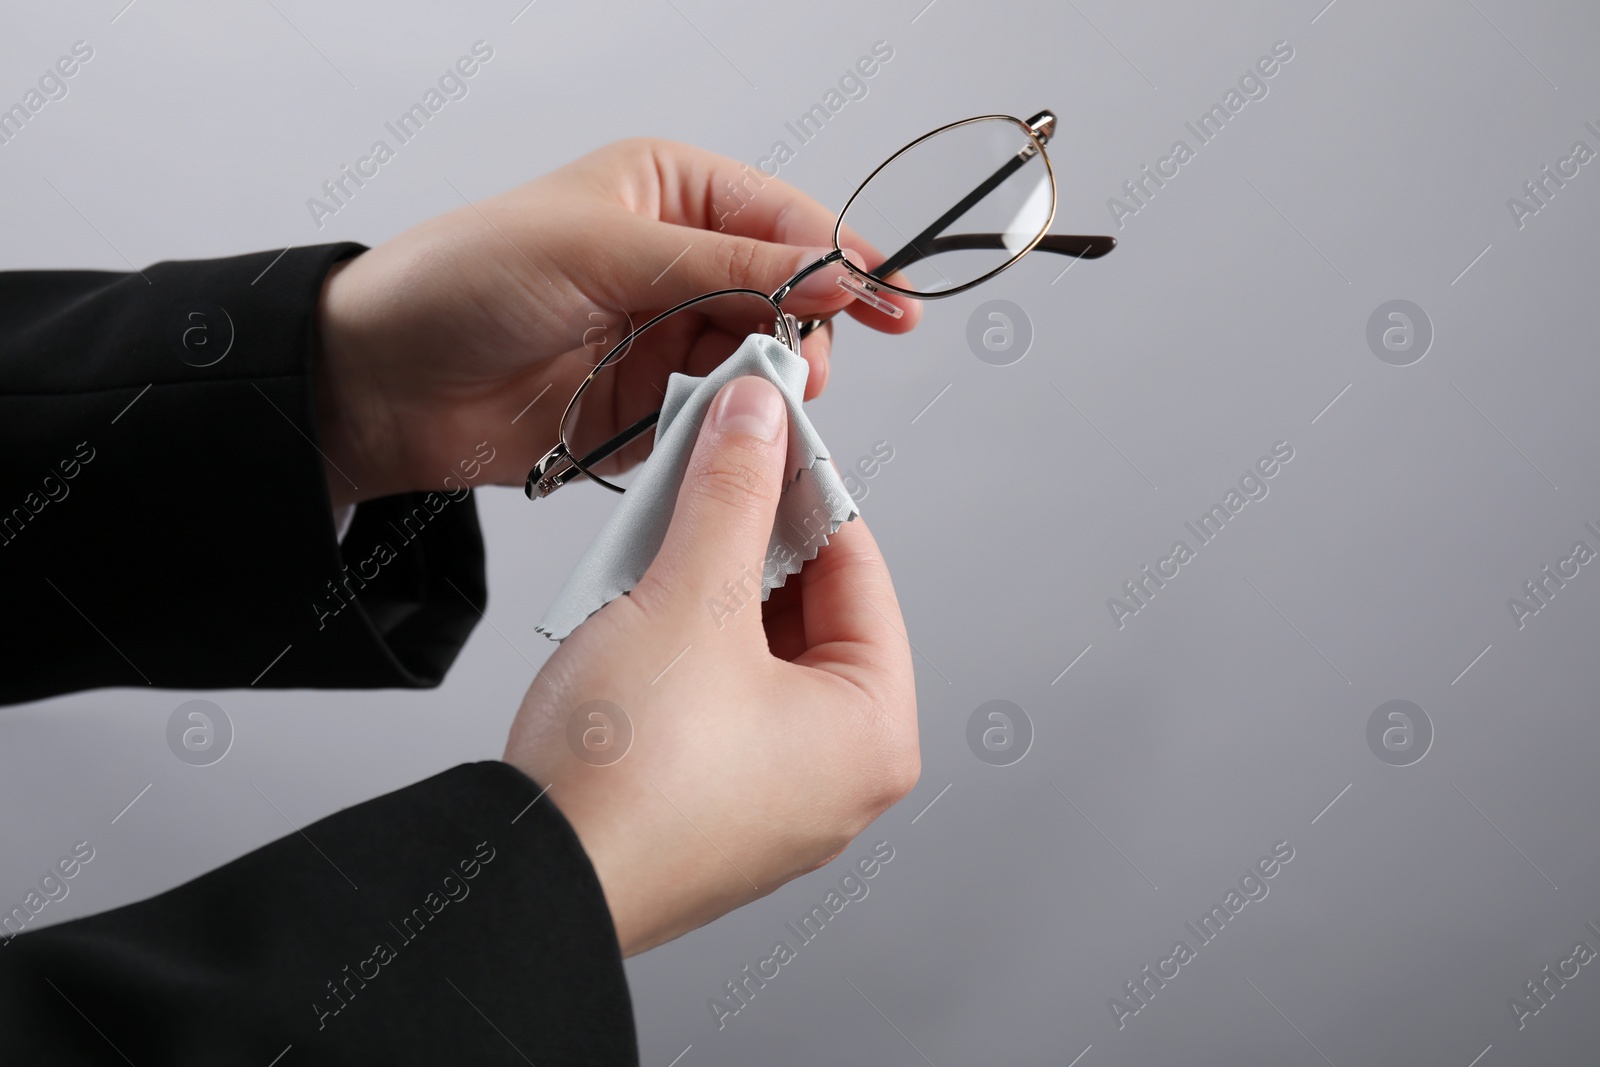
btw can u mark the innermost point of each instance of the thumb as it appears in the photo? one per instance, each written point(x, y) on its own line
point(710, 562)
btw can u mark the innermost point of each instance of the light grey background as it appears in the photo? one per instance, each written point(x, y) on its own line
point(1223, 718)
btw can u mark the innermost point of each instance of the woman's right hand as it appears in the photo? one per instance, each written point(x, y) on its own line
point(765, 737)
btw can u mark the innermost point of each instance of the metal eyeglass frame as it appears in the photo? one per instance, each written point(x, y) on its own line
point(559, 466)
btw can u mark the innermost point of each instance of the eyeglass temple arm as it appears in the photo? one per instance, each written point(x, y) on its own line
point(1077, 246)
point(917, 247)
point(622, 440)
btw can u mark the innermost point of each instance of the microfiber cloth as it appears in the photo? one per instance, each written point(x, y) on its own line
point(813, 505)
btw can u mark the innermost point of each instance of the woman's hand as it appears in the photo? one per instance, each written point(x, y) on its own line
point(764, 737)
point(437, 339)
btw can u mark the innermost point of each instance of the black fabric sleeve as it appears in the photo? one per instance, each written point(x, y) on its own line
point(165, 520)
point(454, 921)
point(164, 512)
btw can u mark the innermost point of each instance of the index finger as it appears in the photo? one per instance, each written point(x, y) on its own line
point(709, 191)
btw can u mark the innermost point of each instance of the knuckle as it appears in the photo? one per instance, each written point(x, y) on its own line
point(736, 260)
point(637, 146)
point(897, 764)
point(899, 776)
point(782, 221)
point(731, 479)
point(645, 605)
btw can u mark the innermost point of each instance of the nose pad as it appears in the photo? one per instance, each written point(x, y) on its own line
point(867, 293)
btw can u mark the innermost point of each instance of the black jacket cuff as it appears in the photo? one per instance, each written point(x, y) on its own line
point(455, 921)
point(192, 545)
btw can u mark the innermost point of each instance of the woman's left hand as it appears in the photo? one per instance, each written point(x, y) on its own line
point(436, 340)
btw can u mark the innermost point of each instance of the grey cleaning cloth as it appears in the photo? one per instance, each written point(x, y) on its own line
point(813, 506)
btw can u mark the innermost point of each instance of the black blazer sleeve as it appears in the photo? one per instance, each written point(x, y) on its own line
point(164, 520)
point(164, 515)
point(455, 921)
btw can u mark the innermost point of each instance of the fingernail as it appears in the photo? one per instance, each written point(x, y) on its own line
point(807, 256)
point(823, 284)
point(750, 405)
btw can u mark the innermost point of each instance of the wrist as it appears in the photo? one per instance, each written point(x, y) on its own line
point(658, 885)
point(617, 850)
point(620, 899)
point(349, 414)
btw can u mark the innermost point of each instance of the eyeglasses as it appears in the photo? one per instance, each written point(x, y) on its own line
point(1006, 214)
